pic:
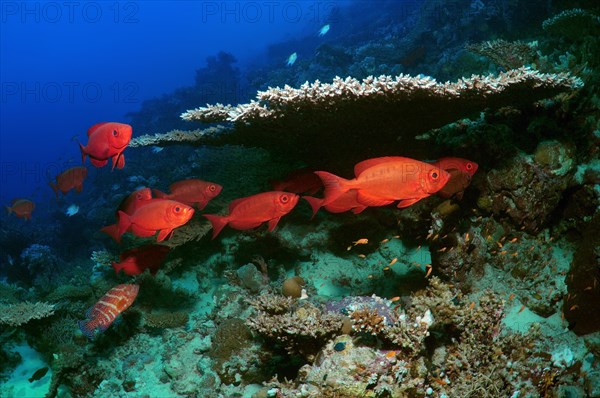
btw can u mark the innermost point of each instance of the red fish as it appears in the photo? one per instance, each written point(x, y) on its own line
point(22, 208)
point(461, 172)
point(381, 181)
point(69, 179)
point(160, 215)
point(299, 181)
point(102, 314)
point(191, 192)
point(106, 141)
point(347, 201)
point(252, 211)
point(128, 205)
point(137, 260)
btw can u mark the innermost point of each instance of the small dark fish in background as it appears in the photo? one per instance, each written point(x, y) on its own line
point(39, 374)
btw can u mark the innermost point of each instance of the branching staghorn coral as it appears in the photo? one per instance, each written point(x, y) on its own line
point(507, 54)
point(177, 137)
point(321, 121)
point(18, 314)
point(574, 24)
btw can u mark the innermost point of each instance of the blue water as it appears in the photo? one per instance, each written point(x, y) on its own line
point(435, 299)
point(66, 67)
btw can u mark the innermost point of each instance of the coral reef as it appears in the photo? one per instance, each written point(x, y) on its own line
point(18, 314)
point(287, 120)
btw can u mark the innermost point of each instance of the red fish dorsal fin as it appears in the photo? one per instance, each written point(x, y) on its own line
point(235, 203)
point(95, 127)
point(367, 164)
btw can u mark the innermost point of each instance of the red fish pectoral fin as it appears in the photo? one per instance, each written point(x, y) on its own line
point(407, 202)
point(366, 199)
point(98, 163)
point(358, 209)
point(118, 160)
point(164, 234)
point(83, 153)
point(218, 223)
point(141, 232)
point(273, 223)
point(315, 204)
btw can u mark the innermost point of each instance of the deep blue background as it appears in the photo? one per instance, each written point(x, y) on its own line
point(68, 65)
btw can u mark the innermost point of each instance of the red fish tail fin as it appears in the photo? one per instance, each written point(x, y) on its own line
point(334, 186)
point(112, 231)
point(124, 223)
point(87, 329)
point(83, 153)
point(315, 203)
point(159, 194)
point(117, 267)
point(218, 223)
point(8, 209)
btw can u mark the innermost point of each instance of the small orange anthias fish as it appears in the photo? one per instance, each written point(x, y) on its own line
point(128, 205)
point(22, 208)
point(250, 212)
point(69, 179)
point(160, 215)
point(347, 201)
point(461, 172)
point(299, 181)
point(102, 314)
point(137, 260)
point(191, 192)
point(381, 181)
point(106, 141)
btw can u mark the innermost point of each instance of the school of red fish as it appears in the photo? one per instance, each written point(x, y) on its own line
point(147, 213)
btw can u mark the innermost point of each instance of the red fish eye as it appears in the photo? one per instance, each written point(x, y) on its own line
point(434, 174)
point(115, 133)
point(469, 166)
point(177, 209)
point(212, 188)
point(284, 199)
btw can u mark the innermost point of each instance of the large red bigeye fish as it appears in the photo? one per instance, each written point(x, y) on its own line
point(22, 208)
point(107, 141)
point(69, 179)
point(160, 215)
point(250, 212)
point(135, 261)
point(347, 201)
point(381, 181)
point(191, 192)
point(461, 173)
point(102, 314)
point(128, 205)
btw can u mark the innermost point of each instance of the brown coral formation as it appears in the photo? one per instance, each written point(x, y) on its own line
point(323, 120)
point(302, 330)
point(524, 192)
